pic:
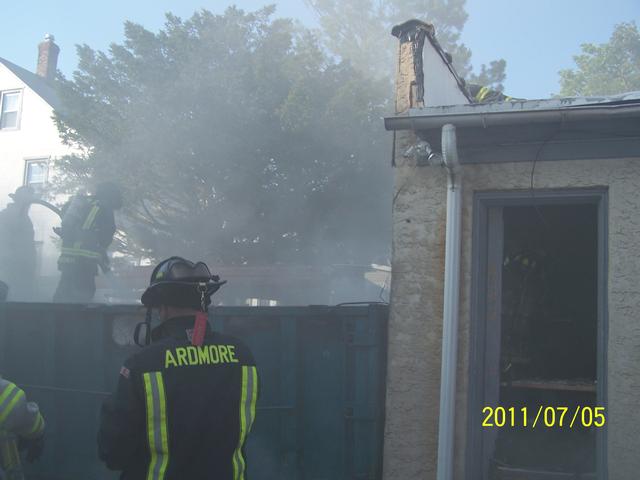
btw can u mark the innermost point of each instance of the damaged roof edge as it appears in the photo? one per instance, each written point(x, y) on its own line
point(418, 120)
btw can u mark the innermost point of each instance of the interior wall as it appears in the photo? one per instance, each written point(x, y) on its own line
point(415, 328)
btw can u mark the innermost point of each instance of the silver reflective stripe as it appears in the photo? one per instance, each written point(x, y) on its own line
point(157, 434)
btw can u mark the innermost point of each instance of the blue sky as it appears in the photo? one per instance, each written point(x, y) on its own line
point(536, 37)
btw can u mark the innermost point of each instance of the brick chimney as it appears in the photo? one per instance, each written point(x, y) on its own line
point(425, 75)
point(47, 58)
point(410, 74)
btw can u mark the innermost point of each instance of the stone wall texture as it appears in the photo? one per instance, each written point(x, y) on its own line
point(415, 329)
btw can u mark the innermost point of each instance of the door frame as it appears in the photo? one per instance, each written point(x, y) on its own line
point(484, 247)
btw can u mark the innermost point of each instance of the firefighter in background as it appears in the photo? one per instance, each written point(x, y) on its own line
point(21, 424)
point(87, 230)
point(17, 246)
point(482, 94)
point(21, 428)
point(185, 404)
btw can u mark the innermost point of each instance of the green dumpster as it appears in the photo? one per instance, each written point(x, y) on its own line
point(322, 370)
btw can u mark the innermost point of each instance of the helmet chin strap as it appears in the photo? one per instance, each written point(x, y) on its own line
point(200, 326)
point(146, 340)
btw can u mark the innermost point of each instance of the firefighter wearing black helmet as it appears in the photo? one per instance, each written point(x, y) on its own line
point(87, 230)
point(184, 404)
point(17, 246)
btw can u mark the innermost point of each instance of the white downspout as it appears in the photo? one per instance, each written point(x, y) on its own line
point(446, 427)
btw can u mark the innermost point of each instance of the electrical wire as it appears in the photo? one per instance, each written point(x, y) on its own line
point(380, 295)
point(533, 170)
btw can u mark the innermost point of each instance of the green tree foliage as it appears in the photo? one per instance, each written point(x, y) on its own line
point(608, 68)
point(237, 140)
point(359, 31)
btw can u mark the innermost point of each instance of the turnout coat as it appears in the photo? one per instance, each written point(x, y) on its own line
point(181, 411)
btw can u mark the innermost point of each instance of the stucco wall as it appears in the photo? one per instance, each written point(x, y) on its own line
point(415, 329)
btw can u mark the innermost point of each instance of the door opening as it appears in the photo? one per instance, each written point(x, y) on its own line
point(539, 339)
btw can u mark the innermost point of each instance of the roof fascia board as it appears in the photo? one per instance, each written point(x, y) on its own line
point(488, 119)
point(26, 84)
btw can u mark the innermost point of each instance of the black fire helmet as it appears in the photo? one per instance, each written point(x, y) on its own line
point(178, 282)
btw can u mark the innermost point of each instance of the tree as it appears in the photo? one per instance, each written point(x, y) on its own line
point(359, 31)
point(237, 140)
point(608, 68)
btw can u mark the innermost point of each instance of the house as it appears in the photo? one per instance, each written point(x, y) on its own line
point(29, 141)
point(515, 280)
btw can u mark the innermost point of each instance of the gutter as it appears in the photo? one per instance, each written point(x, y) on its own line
point(446, 426)
point(420, 121)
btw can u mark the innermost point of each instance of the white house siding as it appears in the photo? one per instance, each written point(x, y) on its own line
point(415, 329)
point(36, 137)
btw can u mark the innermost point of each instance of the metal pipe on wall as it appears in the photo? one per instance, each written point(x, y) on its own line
point(446, 426)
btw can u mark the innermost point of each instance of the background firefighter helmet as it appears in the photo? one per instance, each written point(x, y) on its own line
point(23, 194)
point(175, 282)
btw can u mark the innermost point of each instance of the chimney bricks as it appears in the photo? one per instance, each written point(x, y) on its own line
point(47, 58)
point(410, 76)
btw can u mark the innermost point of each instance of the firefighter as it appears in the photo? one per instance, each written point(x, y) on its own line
point(482, 94)
point(184, 404)
point(87, 230)
point(17, 245)
point(21, 428)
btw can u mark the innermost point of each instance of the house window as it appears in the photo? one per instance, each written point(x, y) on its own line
point(9, 110)
point(36, 172)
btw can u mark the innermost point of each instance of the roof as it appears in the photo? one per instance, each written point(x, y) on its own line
point(532, 105)
point(518, 111)
point(36, 83)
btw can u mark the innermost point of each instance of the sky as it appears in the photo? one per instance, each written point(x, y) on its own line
point(537, 38)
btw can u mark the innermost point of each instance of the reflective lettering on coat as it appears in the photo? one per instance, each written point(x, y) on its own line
point(169, 360)
point(224, 356)
point(200, 355)
point(181, 353)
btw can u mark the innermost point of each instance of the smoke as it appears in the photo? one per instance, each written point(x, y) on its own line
point(239, 141)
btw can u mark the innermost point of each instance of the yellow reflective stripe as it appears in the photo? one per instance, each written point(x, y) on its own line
point(6, 410)
point(7, 391)
point(254, 397)
point(14, 458)
point(38, 426)
point(90, 218)
point(156, 425)
point(11, 458)
point(482, 93)
point(5, 443)
point(248, 397)
point(243, 425)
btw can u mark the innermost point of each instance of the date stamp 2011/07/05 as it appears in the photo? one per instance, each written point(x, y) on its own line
point(543, 417)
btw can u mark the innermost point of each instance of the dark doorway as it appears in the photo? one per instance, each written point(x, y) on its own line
point(538, 335)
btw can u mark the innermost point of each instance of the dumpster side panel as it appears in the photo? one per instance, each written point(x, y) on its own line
point(320, 408)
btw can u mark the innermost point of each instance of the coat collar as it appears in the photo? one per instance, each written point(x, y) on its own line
point(176, 327)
